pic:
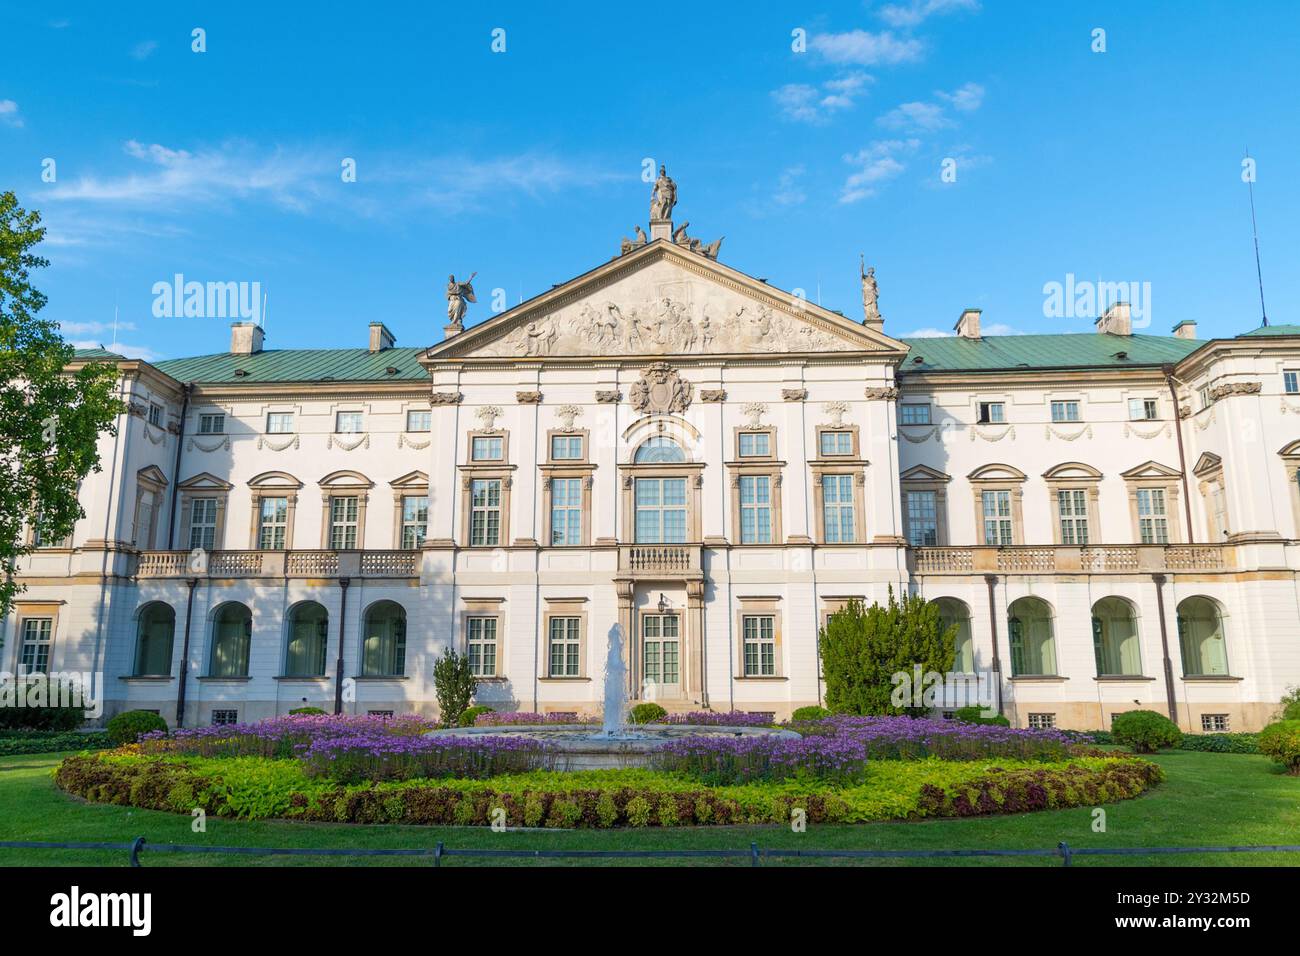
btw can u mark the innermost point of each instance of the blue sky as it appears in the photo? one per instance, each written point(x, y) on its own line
point(1123, 165)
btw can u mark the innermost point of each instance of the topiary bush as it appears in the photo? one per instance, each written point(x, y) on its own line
point(1145, 731)
point(974, 714)
point(646, 714)
point(810, 713)
point(307, 711)
point(1281, 743)
point(127, 726)
point(470, 714)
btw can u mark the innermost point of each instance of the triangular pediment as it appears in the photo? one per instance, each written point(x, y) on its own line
point(412, 479)
point(1151, 469)
point(1208, 462)
point(205, 481)
point(658, 301)
point(152, 474)
point(924, 473)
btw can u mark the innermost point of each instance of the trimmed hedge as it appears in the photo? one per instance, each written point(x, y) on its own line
point(1221, 743)
point(306, 711)
point(1145, 731)
point(128, 726)
point(260, 788)
point(647, 713)
point(41, 718)
point(810, 713)
point(13, 743)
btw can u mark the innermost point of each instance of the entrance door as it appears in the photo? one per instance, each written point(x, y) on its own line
point(661, 656)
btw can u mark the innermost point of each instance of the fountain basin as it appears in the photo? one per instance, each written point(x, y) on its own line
point(586, 747)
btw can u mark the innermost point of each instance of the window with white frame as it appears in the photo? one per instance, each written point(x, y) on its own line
point(481, 634)
point(566, 448)
point(1214, 723)
point(1291, 381)
point(203, 523)
point(415, 521)
point(212, 423)
point(348, 423)
point(485, 512)
point(754, 445)
point(419, 420)
point(836, 444)
point(565, 646)
point(1153, 521)
point(1072, 503)
point(566, 511)
point(837, 509)
point(996, 506)
point(759, 638)
point(922, 519)
point(279, 423)
point(755, 509)
point(914, 414)
point(1065, 411)
point(486, 448)
point(343, 523)
point(1207, 397)
point(660, 510)
point(992, 413)
point(272, 524)
point(155, 414)
point(1142, 409)
point(34, 656)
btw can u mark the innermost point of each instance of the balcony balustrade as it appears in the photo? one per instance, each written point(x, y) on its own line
point(673, 560)
point(1064, 559)
point(278, 564)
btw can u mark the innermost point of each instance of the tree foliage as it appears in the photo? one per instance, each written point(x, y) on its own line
point(862, 648)
point(51, 416)
point(454, 684)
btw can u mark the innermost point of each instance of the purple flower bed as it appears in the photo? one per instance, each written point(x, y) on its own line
point(839, 747)
point(515, 718)
point(709, 718)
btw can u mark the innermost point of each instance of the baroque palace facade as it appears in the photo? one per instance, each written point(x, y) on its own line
point(1109, 518)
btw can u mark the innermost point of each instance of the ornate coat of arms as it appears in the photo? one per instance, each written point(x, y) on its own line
point(661, 391)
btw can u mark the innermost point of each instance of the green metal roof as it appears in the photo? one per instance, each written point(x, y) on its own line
point(298, 365)
point(1272, 330)
point(1071, 350)
point(91, 355)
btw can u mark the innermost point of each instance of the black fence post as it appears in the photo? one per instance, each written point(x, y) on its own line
point(136, 847)
point(753, 855)
point(437, 854)
point(1066, 855)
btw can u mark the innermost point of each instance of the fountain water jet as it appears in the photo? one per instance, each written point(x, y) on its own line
point(615, 713)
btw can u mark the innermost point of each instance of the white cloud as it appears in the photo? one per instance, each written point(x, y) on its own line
point(967, 98)
point(9, 113)
point(144, 49)
point(932, 333)
point(865, 48)
point(876, 164)
point(926, 117)
point(94, 328)
point(916, 12)
point(805, 103)
point(788, 191)
point(121, 348)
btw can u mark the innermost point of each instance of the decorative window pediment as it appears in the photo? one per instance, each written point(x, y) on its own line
point(278, 480)
point(205, 481)
point(411, 480)
point(345, 479)
point(1207, 464)
point(1150, 469)
point(1072, 471)
point(996, 473)
point(924, 473)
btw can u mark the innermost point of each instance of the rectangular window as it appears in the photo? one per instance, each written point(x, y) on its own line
point(155, 414)
point(1207, 399)
point(660, 648)
point(922, 519)
point(1073, 505)
point(212, 423)
point(486, 448)
point(203, 523)
point(997, 518)
point(660, 510)
point(566, 448)
point(835, 444)
point(415, 521)
point(1214, 723)
point(566, 511)
point(343, 523)
point(224, 717)
point(34, 658)
point(379, 713)
point(566, 645)
point(419, 420)
point(279, 423)
point(837, 509)
point(1153, 522)
point(1142, 409)
point(485, 513)
point(347, 423)
point(1042, 721)
point(915, 414)
point(755, 509)
point(1065, 411)
point(1291, 381)
point(759, 636)
point(482, 638)
point(272, 524)
point(992, 413)
point(755, 445)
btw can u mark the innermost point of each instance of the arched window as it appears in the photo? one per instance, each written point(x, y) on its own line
point(153, 641)
point(232, 636)
point(308, 634)
point(1115, 638)
point(1033, 648)
point(955, 613)
point(1201, 638)
point(384, 650)
point(659, 451)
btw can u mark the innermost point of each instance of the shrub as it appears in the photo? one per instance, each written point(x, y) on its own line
point(305, 711)
point(1145, 731)
point(30, 703)
point(470, 715)
point(810, 713)
point(1221, 743)
point(454, 685)
point(1290, 704)
point(50, 741)
point(975, 715)
point(1281, 742)
point(128, 726)
point(646, 714)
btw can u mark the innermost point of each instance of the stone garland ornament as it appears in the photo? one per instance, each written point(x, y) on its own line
point(419, 445)
point(1052, 432)
point(221, 444)
point(1130, 430)
point(989, 437)
point(263, 442)
point(660, 390)
point(148, 433)
point(1209, 420)
point(933, 432)
point(1235, 388)
point(1288, 407)
point(335, 442)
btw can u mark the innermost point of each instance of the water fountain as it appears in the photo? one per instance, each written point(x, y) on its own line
point(614, 744)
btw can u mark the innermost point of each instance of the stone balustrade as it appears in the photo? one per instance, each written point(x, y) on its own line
point(1063, 559)
point(277, 564)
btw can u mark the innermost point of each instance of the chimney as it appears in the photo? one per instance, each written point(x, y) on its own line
point(1185, 329)
point(380, 337)
point(245, 338)
point(968, 326)
point(1116, 320)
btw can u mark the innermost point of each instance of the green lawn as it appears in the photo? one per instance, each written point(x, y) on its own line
point(1208, 799)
